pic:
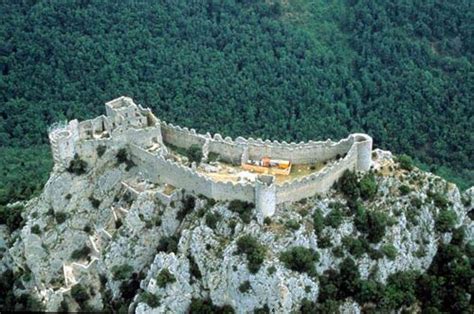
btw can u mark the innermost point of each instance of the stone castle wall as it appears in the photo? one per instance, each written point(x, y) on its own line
point(115, 131)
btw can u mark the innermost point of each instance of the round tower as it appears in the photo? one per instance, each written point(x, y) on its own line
point(265, 195)
point(364, 151)
point(63, 139)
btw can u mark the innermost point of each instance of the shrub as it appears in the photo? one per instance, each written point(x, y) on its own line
point(94, 202)
point(262, 310)
point(404, 189)
point(244, 209)
point(445, 221)
point(300, 259)
point(36, 229)
point(271, 270)
point(81, 253)
point(88, 229)
point(348, 185)
point(405, 162)
point(324, 242)
point(212, 219)
point(334, 218)
point(80, 294)
point(244, 286)
point(121, 272)
point(371, 223)
point(254, 251)
point(267, 221)
point(77, 166)
point(123, 158)
point(194, 268)
point(292, 224)
point(212, 157)
point(318, 221)
point(168, 244)
point(101, 150)
point(60, 217)
point(194, 153)
point(390, 251)
point(368, 186)
point(199, 306)
point(152, 300)
point(400, 290)
point(440, 200)
point(164, 278)
point(189, 202)
point(356, 246)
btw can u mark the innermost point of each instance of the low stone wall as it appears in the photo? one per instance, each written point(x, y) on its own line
point(231, 150)
point(318, 182)
point(159, 169)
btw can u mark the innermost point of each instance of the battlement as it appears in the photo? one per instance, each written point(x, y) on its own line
point(149, 139)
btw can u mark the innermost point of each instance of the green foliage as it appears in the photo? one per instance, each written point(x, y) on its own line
point(194, 268)
point(372, 223)
point(446, 220)
point(168, 244)
point(11, 216)
point(404, 189)
point(60, 217)
point(80, 294)
point(77, 166)
point(334, 218)
point(356, 246)
point(101, 150)
point(188, 204)
point(318, 221)
point(368, 186)
point(245, 286)
point(123, 158)
point(405, 162)
point(292, 224)
point(81, 253)
point(212, 219)
point(95, 202)
point(122, 272)
point(164, 278)
point(348, 185)
point(400, 290)
point(152, 300)
point(199, 306)
point(195, 153)
point(300, 259)
point(244, 209)
point(390, 251)
point(36, 229)
point(254, 251)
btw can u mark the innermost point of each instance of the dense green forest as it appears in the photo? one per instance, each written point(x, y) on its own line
point(401, 71)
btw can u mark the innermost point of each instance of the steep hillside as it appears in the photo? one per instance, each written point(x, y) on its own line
point(106, 240)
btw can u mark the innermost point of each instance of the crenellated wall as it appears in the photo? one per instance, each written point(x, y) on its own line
point(129, 125)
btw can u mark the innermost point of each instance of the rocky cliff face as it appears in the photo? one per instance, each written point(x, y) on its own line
point(105, 240)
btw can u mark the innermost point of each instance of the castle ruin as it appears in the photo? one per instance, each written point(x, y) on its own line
point(152, 146)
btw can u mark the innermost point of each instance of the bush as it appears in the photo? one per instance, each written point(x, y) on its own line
point(440, 200)
point(405, 162)
point(400, 290)
point(36, 229)
point(334, 218)
point(194, 153)
point(194, 268)
point(356, 246)
point(244, 209)
point(254, 250)
point(318, 222)
point(164, 278)
point(300, 259)
point(446, 220)
point(168, 244)
point(348, 185)
point(292, 224)
point(94, 202)
point(199, 306)
point(101, 150)
point(368, 186)
point(122, 272)
point(189, 202)
point(212, 219)
point(245, 286)
point(77, 166)
point(390, 251)
point(11, 216)
point(404, 189)
point(60, 217)
point(81, 253)
point(371, 223)
point(152, 300)
point(123, 158)
point(80, 294)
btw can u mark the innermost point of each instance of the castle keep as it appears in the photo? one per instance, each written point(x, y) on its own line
point(153, 145)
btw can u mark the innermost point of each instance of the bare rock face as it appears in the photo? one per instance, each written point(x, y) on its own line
point(110, 233)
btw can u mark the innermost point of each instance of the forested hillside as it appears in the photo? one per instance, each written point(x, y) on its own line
point(401, 71)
